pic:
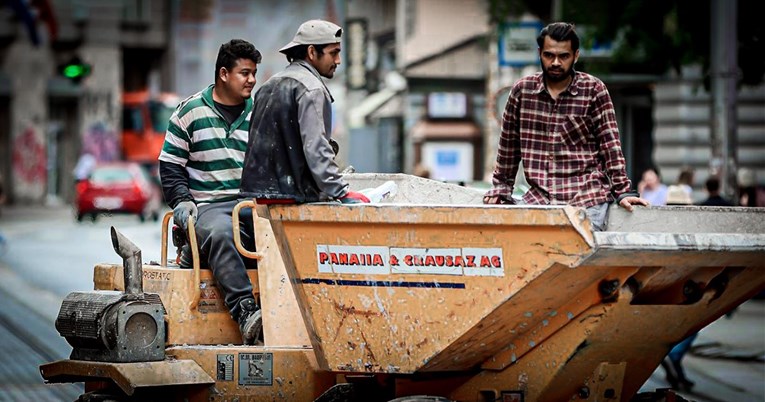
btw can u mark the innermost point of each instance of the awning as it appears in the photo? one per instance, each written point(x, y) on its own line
point(394, 107)
point(357, 116)
point(466, 60)
point(445, 130)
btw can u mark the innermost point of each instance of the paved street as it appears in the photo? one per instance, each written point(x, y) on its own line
point(29, 340)
point(49, 255)
point(727, 361)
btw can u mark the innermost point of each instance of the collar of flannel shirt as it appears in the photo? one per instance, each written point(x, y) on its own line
point(573, 87)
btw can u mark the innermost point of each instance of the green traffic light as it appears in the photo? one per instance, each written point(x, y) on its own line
point(75, 71)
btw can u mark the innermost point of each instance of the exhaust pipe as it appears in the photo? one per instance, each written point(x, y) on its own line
point(131, 263)
point(111, 326)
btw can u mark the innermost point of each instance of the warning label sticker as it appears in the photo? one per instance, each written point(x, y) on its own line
point(225, 368)
point(256, 368)
point(210, 299)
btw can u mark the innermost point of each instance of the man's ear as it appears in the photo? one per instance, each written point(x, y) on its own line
point(576, 56)
point(311, 52)
point(223, 74)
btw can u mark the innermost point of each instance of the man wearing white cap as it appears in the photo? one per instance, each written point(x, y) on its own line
point(289, 157)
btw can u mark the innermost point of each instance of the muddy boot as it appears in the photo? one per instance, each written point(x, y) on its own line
point(250, 321)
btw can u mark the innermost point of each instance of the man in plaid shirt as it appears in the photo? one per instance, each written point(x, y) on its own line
point(561, 124)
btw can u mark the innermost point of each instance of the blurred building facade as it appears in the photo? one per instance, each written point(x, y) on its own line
point(48, 120)
point(157, 46)
point(421, 85)
point(440, 106)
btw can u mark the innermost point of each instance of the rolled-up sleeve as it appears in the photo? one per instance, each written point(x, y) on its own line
point(315, 132)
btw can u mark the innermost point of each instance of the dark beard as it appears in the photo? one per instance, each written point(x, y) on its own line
point(562, 77)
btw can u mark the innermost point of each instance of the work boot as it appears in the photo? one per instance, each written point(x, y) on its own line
point(250, 321)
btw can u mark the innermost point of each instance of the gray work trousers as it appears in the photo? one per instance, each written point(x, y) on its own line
point(215, 239)
point(598, 215)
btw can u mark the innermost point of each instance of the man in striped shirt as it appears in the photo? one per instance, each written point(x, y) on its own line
point(201, 167)
point(561, 124)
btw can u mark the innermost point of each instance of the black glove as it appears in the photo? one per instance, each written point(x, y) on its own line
point(182, 211)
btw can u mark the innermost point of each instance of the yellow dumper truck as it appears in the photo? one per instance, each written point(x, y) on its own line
point(426, 296)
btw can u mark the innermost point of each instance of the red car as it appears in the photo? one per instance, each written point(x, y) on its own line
point(120, 187)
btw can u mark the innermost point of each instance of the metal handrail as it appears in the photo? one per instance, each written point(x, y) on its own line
point(196, 289)
point(235, 224)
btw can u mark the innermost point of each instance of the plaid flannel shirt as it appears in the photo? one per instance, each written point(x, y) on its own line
point(570, 147)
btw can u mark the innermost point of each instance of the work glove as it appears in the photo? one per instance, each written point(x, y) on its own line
point(181, 213)
point(354, 198)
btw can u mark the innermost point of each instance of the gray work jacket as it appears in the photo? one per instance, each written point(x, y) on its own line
point(288, 154)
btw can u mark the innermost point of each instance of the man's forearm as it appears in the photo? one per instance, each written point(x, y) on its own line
point(175, 183)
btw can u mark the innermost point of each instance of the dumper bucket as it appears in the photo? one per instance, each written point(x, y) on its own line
point(438, 286)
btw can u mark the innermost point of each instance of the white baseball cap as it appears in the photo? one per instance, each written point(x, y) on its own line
point(315, 32)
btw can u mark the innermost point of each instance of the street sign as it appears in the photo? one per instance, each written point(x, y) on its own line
point(356, 75)
point(518, 43)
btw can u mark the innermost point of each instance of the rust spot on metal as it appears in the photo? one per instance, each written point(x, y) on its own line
point(348, 311)
point(593, 316)
point(370, 353)
point(352, 311)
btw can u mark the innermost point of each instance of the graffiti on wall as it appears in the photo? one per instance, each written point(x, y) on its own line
point(29, 158)
point(101, 141)
point(98, 103)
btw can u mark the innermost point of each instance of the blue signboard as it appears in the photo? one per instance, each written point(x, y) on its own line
point(518, 43)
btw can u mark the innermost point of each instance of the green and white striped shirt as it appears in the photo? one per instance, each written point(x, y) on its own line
point(199, 138)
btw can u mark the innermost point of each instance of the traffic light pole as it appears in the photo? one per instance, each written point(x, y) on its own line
point(724, 63)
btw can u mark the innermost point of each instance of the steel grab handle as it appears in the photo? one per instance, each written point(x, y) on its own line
point(196, 283)
point(235, 224)
point(192, 233)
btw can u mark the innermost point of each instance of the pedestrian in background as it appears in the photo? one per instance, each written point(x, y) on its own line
point(200, 168)
point(289, 154)
point(677, 195)
point(651, 188)
point(673, 366)
point(749, 194)
point(673, 363)
point(84, 167)
point(561, 124)
point(712, 185)
point(685, 180)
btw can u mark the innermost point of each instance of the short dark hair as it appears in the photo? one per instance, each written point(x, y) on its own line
point(234, 50)
point(300, 52)
point(712, 184)
point(560, 32)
